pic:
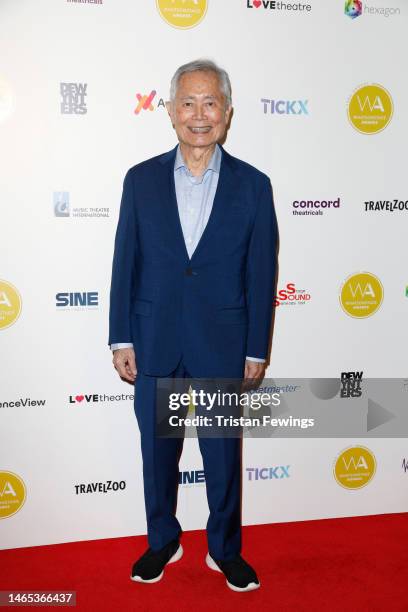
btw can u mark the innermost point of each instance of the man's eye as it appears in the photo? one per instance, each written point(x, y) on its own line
point(187, 104)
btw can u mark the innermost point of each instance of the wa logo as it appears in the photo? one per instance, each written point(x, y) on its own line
point(12, 494)
point(361, 295)
point(355, 467)
point(10, 304)
point(370, 109)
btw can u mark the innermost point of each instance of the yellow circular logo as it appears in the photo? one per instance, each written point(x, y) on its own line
point(370, 109)
point(354, 467)
point(361, 295)
point(10, 304)
point(182, 13)
point(6, 100)
point(12, 494)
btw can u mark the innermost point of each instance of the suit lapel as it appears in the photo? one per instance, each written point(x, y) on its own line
point(167, 191)
point(226, 187)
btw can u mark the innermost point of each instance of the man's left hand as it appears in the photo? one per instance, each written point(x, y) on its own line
point(254, 371)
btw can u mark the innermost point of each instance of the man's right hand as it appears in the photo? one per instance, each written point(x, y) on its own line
point(124, 362)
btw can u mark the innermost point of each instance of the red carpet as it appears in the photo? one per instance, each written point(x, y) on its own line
point(356, 564)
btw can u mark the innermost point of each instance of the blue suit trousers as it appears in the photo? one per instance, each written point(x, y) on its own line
point(222, 467)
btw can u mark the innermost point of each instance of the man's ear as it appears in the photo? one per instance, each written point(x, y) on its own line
point(169, 108)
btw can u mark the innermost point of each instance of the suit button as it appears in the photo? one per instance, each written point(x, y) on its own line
point(189, 271)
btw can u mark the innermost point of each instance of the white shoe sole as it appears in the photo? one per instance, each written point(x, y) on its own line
point(252, 586)
point(176, 557)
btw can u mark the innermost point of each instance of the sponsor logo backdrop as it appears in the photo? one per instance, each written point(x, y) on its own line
point(320, 106)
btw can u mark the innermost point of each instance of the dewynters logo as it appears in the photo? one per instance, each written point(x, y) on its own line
point(73, 98)
point(370, 109)
point(361, 295)
point(182, 14)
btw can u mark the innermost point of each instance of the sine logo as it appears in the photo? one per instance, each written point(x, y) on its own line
point(77, 300)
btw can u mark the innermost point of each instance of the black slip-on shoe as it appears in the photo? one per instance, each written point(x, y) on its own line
point(150, 567)
point(239, 574)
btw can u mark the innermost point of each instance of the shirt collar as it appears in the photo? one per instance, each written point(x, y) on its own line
point(214, 163)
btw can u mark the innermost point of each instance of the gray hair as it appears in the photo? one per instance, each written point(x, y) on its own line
point(204, 65)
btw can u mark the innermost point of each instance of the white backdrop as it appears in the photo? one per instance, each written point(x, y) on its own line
point(59, 356)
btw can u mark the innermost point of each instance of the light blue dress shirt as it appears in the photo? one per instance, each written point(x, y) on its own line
point(195, 198)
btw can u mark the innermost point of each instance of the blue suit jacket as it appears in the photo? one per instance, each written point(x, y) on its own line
point(212, 309)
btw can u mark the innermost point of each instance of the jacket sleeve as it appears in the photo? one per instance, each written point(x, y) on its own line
point(260, 274)
point(123, 268)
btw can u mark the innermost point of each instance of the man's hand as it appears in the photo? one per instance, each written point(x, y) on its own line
point(254, 373)
point(125, 363)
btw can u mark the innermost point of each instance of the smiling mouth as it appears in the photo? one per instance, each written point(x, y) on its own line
point(200, 130)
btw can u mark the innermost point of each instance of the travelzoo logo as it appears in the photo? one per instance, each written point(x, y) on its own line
point(361, 295)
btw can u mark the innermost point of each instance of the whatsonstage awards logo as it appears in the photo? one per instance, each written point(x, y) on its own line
point(62, 208)
point(361, 295)
point(13, 494)
point(354, 467)
point(291, 296)
point(370, 108)
point(182, 14)
point(277, 5)
point(73, 98)
point(10, 304)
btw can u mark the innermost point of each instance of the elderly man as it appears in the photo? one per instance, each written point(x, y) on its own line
point(191, 296)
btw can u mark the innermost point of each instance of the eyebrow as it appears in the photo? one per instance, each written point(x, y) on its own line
point(194, 97)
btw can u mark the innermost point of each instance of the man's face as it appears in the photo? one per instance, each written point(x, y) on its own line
point(199, 113)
